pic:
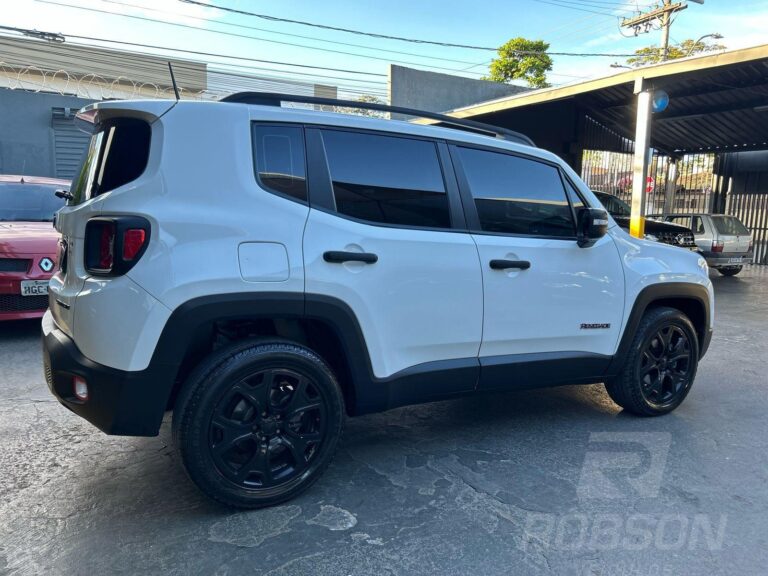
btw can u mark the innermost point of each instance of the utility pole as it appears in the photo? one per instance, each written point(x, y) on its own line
point(643, 22)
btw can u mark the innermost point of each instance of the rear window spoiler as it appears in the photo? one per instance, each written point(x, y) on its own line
point(148, 110)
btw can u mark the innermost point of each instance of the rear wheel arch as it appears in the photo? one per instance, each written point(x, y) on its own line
point(325, 325)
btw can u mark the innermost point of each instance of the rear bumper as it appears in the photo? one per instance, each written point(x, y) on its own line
point(119, 402)
point(720, 259)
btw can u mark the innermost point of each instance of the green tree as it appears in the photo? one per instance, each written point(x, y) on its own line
point(522, 59)
point(654, 54)
point(368, 99)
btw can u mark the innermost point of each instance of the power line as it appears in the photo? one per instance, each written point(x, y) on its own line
point(622, 5)
point(315, 38)
point(374, 35)
point(199, 53)
point(103, 64)
point(233, 34)
point(336, 28)
point(125, 54)
point(554, 3)
point(614, 7)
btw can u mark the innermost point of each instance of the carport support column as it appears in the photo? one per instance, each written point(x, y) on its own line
point(640, 173)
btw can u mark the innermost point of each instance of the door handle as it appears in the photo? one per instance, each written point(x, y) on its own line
point(338, 257)
point(506, 264)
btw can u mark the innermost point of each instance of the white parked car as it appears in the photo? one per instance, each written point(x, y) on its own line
point(265, 271)
point(723, 240)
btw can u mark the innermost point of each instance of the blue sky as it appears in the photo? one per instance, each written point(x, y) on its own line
point(573, 25)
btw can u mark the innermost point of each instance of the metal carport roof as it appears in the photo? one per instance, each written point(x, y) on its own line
point(718, 103)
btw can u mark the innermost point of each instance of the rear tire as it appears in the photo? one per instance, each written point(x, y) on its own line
point(660, 366)
point(257, 423)
point(730, 270)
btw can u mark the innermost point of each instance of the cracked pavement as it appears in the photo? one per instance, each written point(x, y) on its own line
point(548, 481)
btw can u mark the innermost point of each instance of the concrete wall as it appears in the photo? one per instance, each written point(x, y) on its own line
point(26, 136)
point(437, 92)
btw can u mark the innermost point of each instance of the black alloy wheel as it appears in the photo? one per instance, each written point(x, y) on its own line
point(664, 367)
point(258, 422)
point(659, 366)
point(267, 428)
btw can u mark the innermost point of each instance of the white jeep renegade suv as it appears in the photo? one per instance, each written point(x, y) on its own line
point(265, 271)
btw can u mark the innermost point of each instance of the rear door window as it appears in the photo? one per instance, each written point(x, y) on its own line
point(387, 179)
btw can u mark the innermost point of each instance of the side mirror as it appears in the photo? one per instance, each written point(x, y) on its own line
point(591, 225)
point(65, 194)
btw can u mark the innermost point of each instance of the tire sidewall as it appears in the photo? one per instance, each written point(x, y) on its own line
point(194, 429)
point(730, 270)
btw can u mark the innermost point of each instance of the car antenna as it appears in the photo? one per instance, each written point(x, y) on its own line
point(173, 81)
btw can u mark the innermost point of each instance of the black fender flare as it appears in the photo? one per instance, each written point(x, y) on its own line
point(190, 318)
point(661, 294)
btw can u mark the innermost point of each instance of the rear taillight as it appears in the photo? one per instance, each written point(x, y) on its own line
point(717, 246)
point(133, 242)
point(114, 245)
point(106, 246)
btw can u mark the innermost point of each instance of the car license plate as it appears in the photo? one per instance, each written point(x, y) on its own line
point(34, 287)
point(734, 260)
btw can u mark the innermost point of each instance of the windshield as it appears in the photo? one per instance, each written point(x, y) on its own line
point(615, 206)
point(29, 202)
point(729, 225)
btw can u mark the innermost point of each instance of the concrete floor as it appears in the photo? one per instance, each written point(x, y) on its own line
point(553, 481)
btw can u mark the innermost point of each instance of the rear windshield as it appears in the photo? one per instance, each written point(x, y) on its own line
point(729, 225)
point(117, 154)
point(29, 202)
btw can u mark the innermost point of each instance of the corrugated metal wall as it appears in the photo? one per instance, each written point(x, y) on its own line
point(69, 143)
point(742, 191)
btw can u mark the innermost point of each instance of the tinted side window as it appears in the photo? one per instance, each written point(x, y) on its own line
point(698, 225)
point(117, 154)
point(387, 179)
point(574, 196)
point(278, 153)
point(126, 152)
point(517, 196)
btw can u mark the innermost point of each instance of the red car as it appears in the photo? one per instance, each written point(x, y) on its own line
point(28, 243)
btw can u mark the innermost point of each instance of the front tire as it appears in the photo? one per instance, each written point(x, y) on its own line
point(257, 423)
point(660, 366)
point(730, 270)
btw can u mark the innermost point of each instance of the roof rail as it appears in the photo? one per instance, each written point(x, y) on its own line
point(275, 98)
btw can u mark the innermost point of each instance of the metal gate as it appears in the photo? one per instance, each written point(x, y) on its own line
point(709, 183)
point(742, 191)
point(69, 143)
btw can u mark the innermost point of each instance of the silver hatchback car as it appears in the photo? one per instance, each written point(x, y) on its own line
point(723, 240)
